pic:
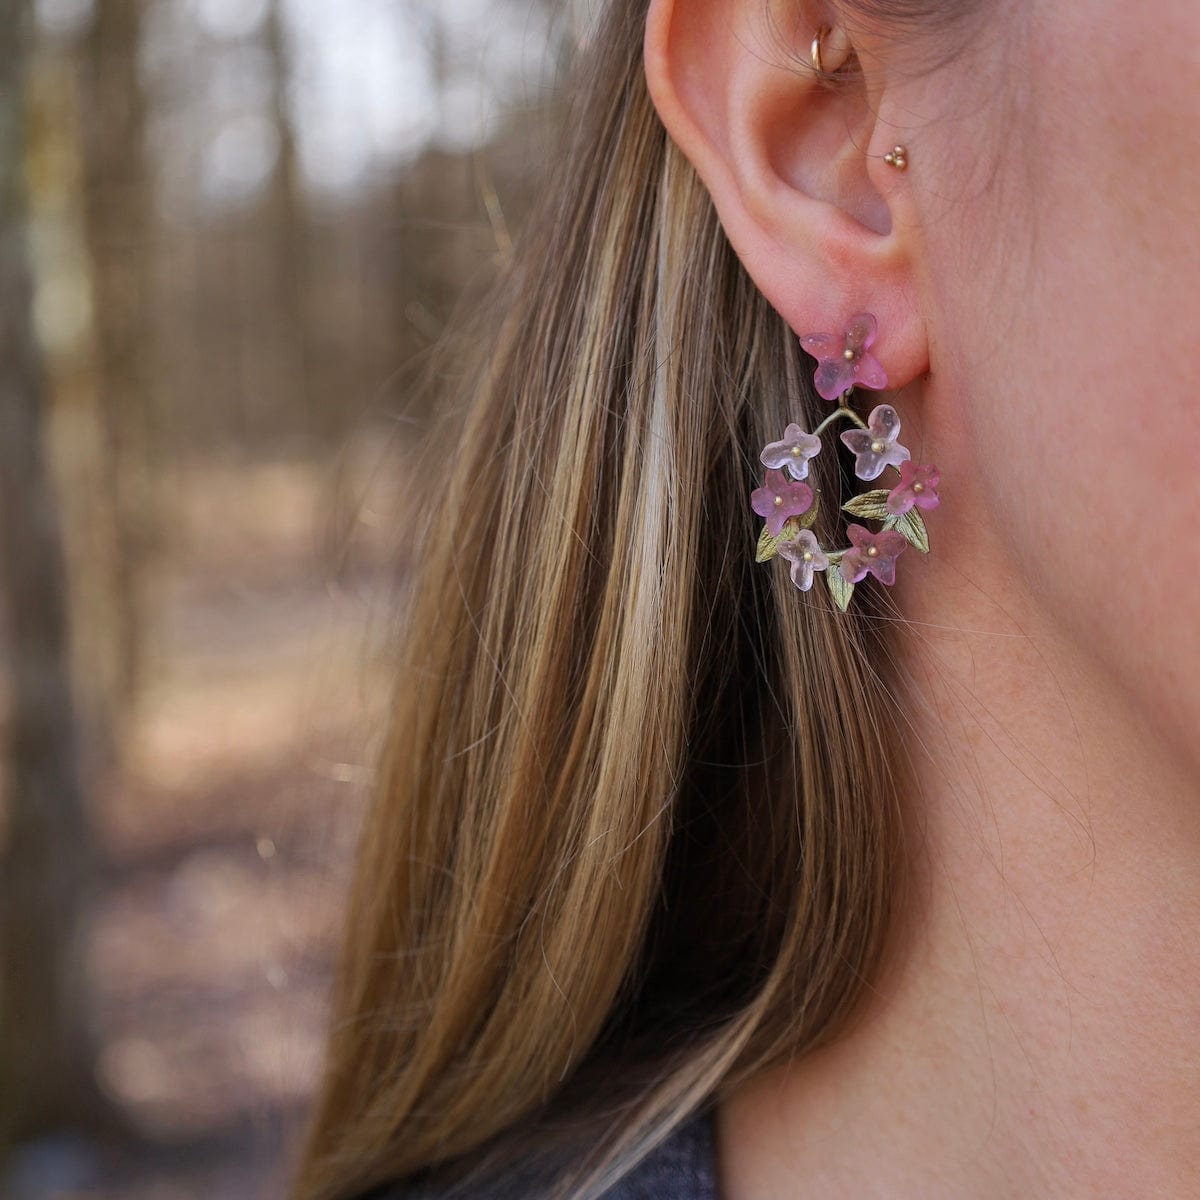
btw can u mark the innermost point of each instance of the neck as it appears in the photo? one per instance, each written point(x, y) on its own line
point(1036, 1033)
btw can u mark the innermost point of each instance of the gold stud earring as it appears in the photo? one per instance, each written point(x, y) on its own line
point(897, 157)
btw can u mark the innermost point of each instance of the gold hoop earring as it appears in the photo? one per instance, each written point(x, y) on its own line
point(815, 49)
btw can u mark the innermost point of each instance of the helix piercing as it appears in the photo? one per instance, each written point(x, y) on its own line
point(815, 49)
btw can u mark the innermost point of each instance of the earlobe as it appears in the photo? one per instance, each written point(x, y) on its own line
point(822, 225)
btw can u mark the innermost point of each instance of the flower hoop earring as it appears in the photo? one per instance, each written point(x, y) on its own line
point(789, 506)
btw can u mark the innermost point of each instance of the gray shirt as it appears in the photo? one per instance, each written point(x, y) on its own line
point(683, 1167)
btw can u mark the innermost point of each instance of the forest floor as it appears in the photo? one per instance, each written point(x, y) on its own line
point(228, 839)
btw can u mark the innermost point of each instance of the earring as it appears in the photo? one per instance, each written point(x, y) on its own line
point(897, 157)
point(789, 505)
point(815, 49)
point(827, 54)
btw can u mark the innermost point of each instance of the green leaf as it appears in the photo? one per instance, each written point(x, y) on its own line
point(869, 504)
point(912, 525)
point(839, 588)
point(808, 519)
point(768, 544)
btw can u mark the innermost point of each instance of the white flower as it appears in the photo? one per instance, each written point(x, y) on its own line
point(806, 556)
point(793, 452)
point(876, 447)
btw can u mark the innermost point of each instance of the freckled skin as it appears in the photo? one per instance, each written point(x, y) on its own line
point(1055, 166)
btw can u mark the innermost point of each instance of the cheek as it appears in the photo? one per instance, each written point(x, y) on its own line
point(1069, 295)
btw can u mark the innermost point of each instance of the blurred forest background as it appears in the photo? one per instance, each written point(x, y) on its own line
point(230, 233)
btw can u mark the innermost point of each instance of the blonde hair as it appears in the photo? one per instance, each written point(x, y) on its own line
point(636, 837)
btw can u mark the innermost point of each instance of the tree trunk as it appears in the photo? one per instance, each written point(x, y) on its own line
point(290, 330)
point(117, 217)
point(46, 1077)
point(77, 443)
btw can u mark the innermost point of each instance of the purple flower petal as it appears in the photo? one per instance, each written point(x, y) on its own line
point(780, 498)
point(928, 477)
point(833, 377)
point(822, 345)
point(869, 373)
point(918, 485)
point(852, 567)
point(872, 552)
point(890, 542)
point(762, 500)
point(861, 332)
point(884, 569)
point(843, 360)
point(860, 536)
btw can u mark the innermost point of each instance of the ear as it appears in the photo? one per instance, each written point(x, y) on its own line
point(795, 168)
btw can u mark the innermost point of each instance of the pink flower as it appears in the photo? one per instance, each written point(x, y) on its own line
point(806, 556)
point(918, 485)
point(780, 498)
point(873, 552)
point(843, 358)
point(876, 446)
point(793, 452)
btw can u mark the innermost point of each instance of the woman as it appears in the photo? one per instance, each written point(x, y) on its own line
point(683, 882)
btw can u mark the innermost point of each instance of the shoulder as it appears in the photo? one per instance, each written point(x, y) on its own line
point(681, 1167)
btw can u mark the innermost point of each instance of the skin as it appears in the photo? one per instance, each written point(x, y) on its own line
point(1037, 1032)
